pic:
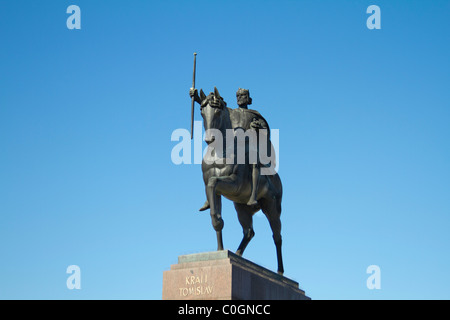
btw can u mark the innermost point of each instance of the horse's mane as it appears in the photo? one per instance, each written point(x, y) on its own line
point(213, 99)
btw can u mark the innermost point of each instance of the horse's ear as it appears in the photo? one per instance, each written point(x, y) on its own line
point(202, 95)
point(216, 93)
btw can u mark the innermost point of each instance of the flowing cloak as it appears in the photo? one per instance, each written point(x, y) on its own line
point(242, 118)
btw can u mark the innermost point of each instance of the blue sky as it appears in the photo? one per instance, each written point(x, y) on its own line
point(86, 117)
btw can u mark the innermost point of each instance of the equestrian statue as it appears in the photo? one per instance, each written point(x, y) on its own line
point(234, 167)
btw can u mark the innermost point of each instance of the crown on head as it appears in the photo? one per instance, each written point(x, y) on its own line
point(242, 91)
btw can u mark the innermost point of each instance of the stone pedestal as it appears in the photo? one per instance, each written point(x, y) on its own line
point(222, 275)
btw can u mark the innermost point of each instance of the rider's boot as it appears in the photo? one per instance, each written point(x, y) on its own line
point(205, 206)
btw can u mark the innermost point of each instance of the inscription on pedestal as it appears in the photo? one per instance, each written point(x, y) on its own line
point(196, 286)
point(224, 275)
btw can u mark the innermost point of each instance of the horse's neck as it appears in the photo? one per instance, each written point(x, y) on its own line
point(226, 125)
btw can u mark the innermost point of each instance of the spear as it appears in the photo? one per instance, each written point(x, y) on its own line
point(193, 100)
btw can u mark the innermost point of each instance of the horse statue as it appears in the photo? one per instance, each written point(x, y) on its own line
point(233, 179)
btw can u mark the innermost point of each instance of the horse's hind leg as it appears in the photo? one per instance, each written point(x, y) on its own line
point(272, 210)
point(245, 216)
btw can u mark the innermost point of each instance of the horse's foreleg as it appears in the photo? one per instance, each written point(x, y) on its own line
point(215, 187)
point(215, 202)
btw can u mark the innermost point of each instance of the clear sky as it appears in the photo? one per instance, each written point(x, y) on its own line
point(86, 117)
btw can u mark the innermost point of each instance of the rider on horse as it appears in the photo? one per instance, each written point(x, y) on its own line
point(246, 119)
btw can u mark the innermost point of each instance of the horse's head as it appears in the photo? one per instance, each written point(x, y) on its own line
point(214, 112)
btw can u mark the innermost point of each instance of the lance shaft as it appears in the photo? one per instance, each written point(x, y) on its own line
point(193, 99)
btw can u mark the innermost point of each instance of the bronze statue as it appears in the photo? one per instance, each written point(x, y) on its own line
point(246, 119)
point(240, 182)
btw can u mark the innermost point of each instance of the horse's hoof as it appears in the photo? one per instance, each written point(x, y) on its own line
point(252, 203)
point(204, 207)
